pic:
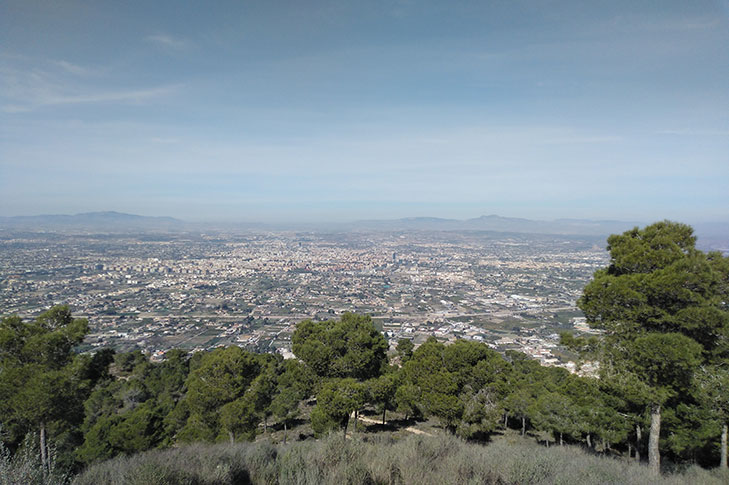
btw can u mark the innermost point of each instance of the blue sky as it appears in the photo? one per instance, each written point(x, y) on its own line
point(342, 110)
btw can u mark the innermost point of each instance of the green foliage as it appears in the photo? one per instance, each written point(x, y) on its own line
point(219, 377)
point(408, 400)
point(195, 430)
point(481, 414)
point(518, 404)
point(587, 346)
point(299, 377)
point(222, 376)
point(554, 412)
point(712, 387)
point(133, 414)
point(672, 357)
point(285, 406)
point(139, 430)
point(47, 341)
point(663, 306)
point(351, 347)
point(43, 383)
point(405, 349)
point(381, 392)
point(336, 401)
point(239, 419)
point(126, 362)
point(665, 361)
point(657, 281)
point(446, 381)
point(296, 383)
point(644, 251)
point(436, 386)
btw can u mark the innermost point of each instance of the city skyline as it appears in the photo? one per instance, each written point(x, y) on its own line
point(339, 111)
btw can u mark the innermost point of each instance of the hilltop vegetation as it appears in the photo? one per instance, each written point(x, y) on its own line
point(415, 460)
point(663, 388)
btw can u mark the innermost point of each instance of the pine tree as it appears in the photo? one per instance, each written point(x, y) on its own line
point(662, 305)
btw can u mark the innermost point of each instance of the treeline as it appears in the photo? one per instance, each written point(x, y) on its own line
point(663, 384)
point(89, 414)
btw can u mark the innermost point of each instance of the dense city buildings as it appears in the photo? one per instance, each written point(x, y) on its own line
point(156, 292)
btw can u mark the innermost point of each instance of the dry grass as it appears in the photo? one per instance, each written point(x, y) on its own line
point(415, 459)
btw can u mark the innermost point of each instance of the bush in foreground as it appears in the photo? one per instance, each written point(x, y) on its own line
point(25, 466)
point(381, 460)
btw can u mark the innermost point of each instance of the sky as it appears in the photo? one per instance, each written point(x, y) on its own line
point(343, 110)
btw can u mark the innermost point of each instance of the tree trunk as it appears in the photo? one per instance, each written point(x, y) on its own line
point(589, 441)
point(356, 415)
point(43, 449)
point(506, 420)
point(265, 424)
point(654, 455)
point(523, 425)
point(630, 450)
point(638, 438)
point(346, 423)
point(230, 435)
point(285, 431)
point(561, 443)
point(384, 410)
point(724, 437)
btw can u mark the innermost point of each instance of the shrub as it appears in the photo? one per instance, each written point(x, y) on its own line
point(25, 466)
point(421, 460)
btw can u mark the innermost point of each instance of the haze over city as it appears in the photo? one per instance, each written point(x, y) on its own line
point(337, 111)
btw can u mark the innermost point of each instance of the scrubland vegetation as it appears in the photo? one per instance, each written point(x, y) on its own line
point(417, 460)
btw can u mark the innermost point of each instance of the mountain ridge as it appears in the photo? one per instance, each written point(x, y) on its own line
point(113, 221)
point(110, 221)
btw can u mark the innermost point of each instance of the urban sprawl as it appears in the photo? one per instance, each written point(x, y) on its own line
point(197, 292)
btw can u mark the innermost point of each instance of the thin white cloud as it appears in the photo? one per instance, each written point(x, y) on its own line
point(14, 108)
point(134, 95)
point(168, 41)
point(38, 99)
point(692, 132)
point(74, 68)
point(24, 90)
point(578, 139)
point(164, 140)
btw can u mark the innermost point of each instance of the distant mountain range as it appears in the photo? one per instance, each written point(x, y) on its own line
point(109, 221)
point(501, 224)
point(117, 222)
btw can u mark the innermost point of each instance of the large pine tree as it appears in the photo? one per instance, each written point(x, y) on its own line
point(662, 304)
